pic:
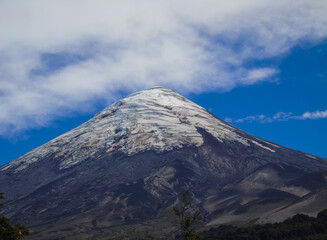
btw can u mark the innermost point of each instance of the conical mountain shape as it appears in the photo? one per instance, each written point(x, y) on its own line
point(123, 170)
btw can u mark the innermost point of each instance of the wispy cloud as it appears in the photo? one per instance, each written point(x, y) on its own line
point(58, 56)
point(280, 116)
point(313, 115)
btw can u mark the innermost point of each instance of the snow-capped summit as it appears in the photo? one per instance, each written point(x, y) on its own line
point(157, 119)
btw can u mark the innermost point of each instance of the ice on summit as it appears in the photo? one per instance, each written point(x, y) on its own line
point(157, 119)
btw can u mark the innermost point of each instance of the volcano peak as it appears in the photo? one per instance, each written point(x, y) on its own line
point(129, 163)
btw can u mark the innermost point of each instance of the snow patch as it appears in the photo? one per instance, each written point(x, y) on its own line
point(262, 146)
point(311, 156)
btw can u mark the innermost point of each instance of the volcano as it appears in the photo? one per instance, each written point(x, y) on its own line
point(118, 175)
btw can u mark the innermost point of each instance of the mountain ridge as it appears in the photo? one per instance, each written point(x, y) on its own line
point(126, 167)
point(166, 103)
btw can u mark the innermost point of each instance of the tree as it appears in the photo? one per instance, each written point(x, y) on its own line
point(187, 218)
point(9, 231)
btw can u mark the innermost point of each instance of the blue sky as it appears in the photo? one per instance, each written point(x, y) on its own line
point(260, 65)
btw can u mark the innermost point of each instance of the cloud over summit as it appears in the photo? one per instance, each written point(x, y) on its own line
point(57, 55)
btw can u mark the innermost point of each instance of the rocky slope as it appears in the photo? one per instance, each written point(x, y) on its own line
point(123, 170)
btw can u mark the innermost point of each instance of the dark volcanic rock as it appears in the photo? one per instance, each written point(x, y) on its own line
point(120, 173)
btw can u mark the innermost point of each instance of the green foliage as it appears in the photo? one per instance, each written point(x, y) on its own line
point(187, 218)
point(8, 231)
point(299, 227)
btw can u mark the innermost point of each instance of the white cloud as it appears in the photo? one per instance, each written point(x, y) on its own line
point(314, 115)
point(256, 118)
point(280, 116)
point(62, 55)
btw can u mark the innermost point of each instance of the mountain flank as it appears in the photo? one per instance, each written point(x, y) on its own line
point(118, 175)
